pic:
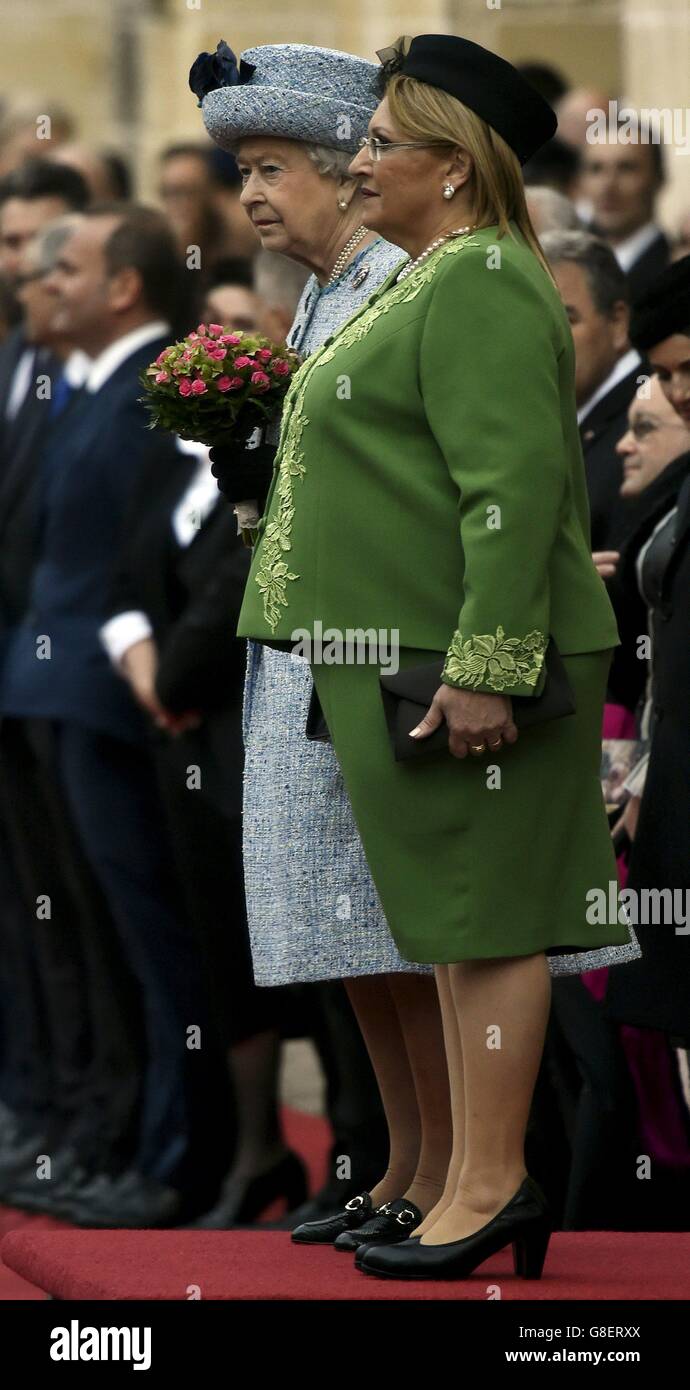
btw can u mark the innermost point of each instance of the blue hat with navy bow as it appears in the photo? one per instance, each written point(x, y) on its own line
point(290, 90)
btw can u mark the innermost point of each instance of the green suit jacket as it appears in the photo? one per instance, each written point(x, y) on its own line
point(430, 480)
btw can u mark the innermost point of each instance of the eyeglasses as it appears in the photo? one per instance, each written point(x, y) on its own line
point(375, 146)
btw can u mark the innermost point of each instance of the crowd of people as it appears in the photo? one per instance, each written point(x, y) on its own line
point(140, 1061)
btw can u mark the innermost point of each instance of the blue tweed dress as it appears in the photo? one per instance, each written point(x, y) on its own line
point(312, 908)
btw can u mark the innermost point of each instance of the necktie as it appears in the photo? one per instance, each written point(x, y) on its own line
point(62, 394)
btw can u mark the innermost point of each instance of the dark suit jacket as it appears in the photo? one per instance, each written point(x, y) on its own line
point(88, 470)
point(11, 350)
point(612, 516)
point(21, 443)
point(191, 596)
point(644, 271)
point(44, 364)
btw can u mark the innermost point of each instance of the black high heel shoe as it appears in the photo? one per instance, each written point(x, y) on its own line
point(242, 1203)
point(360, 1252)
point(523, 1222)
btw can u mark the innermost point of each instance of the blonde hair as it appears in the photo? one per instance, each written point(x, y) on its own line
point(423, 112)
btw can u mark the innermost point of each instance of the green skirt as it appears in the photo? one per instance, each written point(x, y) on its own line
point(466, 870)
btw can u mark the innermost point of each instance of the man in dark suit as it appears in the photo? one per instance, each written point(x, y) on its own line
point(179, 587)
point(608, 370)
point(116, 281)
point(621, 182)
point(59, 371)
point(30, 198)
point(54, 993)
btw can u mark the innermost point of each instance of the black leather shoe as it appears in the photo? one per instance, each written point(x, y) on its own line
point(99, 1189)
point(333, 1196)
point(391, 1222)
point(130, 1202)
point(17, 1157)
point(523, 1221)
point(353, 1214)
point(45, 1193)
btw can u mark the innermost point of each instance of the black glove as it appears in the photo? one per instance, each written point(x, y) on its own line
point(243, 474)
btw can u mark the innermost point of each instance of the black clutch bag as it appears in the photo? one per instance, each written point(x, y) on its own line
point(408, 694)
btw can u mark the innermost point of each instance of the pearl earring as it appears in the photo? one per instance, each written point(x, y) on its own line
point(448, 190)
point(342, 204)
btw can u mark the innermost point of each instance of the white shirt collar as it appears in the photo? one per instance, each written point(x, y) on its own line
point(112, 357)
point(76, 369)
point(629, 251)
point(623, 367)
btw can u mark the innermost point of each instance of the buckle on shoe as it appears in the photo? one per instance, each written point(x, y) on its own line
point(355, 1203)
point(406, 1212)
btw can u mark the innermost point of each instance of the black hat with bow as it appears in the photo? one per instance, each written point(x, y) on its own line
point(487, 84)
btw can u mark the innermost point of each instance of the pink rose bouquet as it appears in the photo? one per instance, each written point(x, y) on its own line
point(216, 386)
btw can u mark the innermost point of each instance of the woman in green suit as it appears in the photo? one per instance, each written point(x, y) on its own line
point(430, 486)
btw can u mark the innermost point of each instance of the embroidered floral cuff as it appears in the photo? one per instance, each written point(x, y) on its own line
point(495, 663)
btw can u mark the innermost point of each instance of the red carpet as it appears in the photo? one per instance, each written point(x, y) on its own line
point(73, 1264)
point(43, 1256)
point(12, 1286)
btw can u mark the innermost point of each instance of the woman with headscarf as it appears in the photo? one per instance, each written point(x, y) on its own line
point(442, 498)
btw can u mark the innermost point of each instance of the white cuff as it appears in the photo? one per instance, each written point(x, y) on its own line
point(121, 632)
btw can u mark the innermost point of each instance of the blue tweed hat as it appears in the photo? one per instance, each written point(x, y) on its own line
point(290, 90)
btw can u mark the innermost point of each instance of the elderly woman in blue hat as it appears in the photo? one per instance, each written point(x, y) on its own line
point(293, 116)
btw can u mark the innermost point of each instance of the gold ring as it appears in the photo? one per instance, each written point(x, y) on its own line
point(477, 747)
point(492, 746)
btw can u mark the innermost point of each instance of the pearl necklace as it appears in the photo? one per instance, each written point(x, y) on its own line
point(347, 250)
point(412, 265)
